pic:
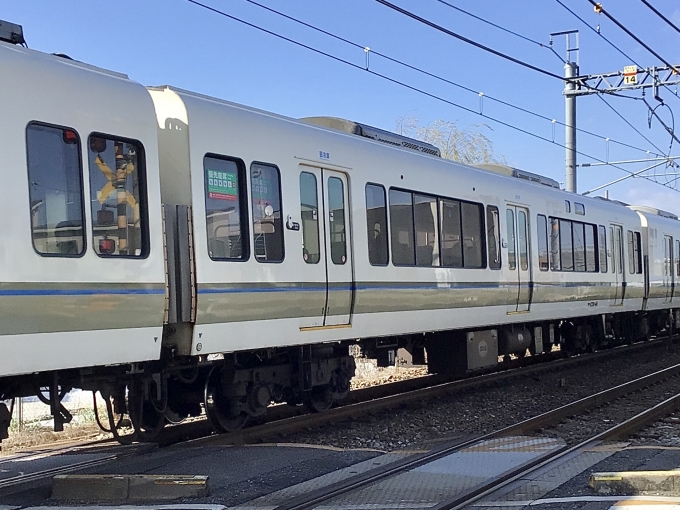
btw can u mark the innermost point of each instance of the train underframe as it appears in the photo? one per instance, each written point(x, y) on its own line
point(232, 388)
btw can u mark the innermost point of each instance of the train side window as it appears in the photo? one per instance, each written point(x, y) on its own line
point(542, 226)
point(401, 228)
point(309, 212)
point(579, 209)
point(336, 221)
point(602, 245)
point(579, 246)
point(225, 208)
point(265, 190)
point(376, 225)
point(566, 246)
point(667, 255)
point(637, 252)
point(493, 236)
point(451, 233)
point(426, 237)
point(510, 225)
point(55, 186)
point(631, 253)
point(472, 220)
point(677, 258)
point(591, 253)
point(118, 197)
point(555, 262)
point(567, 206)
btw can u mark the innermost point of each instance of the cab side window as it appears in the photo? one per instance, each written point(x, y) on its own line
point(117, 197)
point(55, 185)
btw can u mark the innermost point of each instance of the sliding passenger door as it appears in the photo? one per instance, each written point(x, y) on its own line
point(517, 225)
point(338, 260)
point(324, 200)
point(616, 234)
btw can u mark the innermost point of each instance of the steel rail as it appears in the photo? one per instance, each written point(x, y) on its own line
point(23, 479)
point(623, 429)
point(541, 421)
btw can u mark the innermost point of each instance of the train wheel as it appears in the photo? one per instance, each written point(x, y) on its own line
point(223, 412)
point(147, 419)
point(320, 399)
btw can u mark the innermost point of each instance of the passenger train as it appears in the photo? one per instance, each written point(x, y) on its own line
point(183, 255)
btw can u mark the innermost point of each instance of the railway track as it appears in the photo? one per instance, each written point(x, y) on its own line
point(543, 421)
point(364, 401)
point(285, 420)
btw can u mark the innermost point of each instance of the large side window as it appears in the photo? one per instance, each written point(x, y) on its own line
point(309, 212)
point(602, 245)
point(376, 225)
point(473, 237)
point(55, 187)
point(555, 262)
point(425, 217)
point(677, 258)
point(579, 247)
point(265, 189)
point(542, 225)
point(118, 195)
point(451, 239)
point(591, 254)
point(336, 217)
point(566, 246)
point(493, 236)
point(225, 210)
point(401, 228)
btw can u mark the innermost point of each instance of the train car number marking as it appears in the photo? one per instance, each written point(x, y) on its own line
point(324, 155)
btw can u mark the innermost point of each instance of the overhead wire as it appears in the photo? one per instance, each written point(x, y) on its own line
point(631, 59)
point(600, 10)
point(440, 78)
point(499, 27)
point(631, 125)
point(413, 88)
point(675, 27)
point(468, 41)
point(598, 33)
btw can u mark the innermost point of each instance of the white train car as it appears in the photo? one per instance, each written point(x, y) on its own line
point(82, 279)
point(661, 246)
point(199, 255)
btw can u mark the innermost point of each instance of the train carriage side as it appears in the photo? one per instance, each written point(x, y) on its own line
point(81, 264)
point(661, 250)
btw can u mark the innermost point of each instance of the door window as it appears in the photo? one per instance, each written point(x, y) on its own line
point(522, 240)
point(309, 212)
point(336, 217)
point(265, 188)
point(510, 220)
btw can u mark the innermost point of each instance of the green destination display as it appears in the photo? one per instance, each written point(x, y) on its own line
point(222, 185)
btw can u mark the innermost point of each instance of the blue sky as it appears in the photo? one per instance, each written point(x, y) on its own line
point(175, 42)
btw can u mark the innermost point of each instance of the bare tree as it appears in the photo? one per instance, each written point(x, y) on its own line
point(468, 146)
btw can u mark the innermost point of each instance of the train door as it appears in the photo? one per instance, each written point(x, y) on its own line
point(326, 241)
point(517, 224)
point(668, 273)
point(616, 235)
